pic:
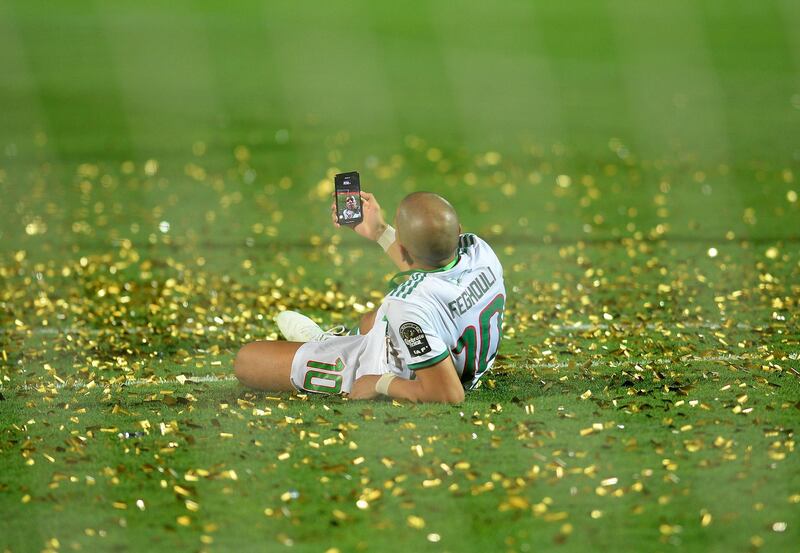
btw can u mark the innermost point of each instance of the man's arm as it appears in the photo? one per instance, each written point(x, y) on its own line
point(394, 254)
point(438, 383)
point(373, 226)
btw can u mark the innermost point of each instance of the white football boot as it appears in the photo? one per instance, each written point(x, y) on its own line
point(296, 327)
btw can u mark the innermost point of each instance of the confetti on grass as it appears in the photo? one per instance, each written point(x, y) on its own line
point(638, 371)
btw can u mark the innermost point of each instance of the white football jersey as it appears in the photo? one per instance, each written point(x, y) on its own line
point(453, 311)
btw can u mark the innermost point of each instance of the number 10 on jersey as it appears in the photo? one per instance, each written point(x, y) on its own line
point(477, 342)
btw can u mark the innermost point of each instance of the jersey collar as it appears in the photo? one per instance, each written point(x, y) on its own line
point(447, 267)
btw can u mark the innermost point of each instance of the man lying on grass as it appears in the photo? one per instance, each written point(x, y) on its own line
point(433, 336)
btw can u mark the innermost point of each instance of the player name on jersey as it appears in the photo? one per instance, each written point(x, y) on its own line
point(474, 292)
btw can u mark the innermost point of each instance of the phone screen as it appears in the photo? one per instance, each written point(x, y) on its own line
point(348, 198)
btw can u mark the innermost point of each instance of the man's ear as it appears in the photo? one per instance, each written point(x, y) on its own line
point(460, 229)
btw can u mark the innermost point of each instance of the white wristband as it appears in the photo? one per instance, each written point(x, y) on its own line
point(382, 385)
point(387, 238)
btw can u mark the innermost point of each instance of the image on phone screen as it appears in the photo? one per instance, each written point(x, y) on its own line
point(348, 198)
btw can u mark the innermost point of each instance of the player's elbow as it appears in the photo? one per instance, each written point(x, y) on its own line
point(448, 395)
point(455, 395)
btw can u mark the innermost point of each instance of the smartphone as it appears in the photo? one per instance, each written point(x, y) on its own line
point(348, 198)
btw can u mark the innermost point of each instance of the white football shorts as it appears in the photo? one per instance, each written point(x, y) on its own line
point(331, 367)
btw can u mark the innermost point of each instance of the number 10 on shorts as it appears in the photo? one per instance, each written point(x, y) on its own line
point(324, 377)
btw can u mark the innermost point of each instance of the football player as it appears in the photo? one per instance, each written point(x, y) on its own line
point(351, 208)
point(434, 335)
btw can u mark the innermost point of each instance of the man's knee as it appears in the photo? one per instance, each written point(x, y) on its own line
point(245, 363)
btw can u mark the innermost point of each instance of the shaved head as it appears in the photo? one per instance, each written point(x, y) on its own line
point(428, 228)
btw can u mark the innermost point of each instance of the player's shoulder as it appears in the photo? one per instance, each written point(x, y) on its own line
point(478, 249)
point(408, 292)
point(400, 307)
point(469, 241)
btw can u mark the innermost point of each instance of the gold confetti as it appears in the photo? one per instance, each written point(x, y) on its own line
point(608, 306)
point(184, 520)
point(705, 518)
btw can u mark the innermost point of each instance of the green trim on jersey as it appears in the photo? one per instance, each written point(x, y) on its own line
point(426, 271)
point(429, 362)
point(412, 283)
point(422, 272)
point(466, 240)
point(404, 289)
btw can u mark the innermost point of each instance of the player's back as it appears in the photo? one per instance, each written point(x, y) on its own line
point(456, 311)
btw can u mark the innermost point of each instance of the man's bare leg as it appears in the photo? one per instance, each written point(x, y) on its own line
point(367, 322)
point(266, 365)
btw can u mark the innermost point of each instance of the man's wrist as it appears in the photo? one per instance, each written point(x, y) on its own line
point(379, 230)
point(387, 237)
point(382, 386)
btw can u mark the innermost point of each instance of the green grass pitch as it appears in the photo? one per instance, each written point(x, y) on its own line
point(164, 175)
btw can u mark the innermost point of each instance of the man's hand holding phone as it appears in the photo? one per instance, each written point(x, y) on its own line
point(372, 223)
